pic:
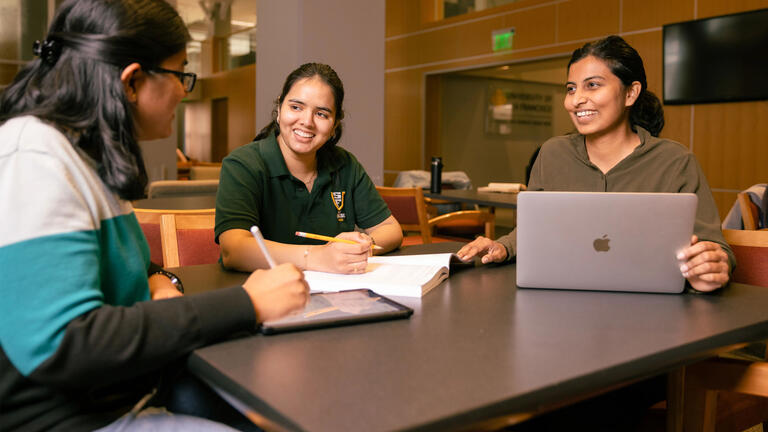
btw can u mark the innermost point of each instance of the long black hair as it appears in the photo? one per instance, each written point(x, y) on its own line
point(626, 64)
point(75, 84)
point(310, 70)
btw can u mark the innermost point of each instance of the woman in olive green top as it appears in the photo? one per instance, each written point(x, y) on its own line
point(293, 177)
point(617, 149)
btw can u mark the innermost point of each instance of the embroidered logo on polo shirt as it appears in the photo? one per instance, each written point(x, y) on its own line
point(338, 202)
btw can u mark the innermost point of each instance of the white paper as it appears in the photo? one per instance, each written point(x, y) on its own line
point(404, 275)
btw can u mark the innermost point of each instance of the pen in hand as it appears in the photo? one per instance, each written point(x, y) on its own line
point(260, 240)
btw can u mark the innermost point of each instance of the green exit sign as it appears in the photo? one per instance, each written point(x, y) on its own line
point(502, 40)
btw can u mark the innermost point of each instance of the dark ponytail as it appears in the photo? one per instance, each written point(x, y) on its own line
point(626, 64)
point(310, 70)
point(75, 83)
point(647, 113)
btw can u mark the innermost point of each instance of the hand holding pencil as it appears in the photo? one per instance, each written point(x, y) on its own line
point(346, 253)
point(278, 291)
point(331, 239)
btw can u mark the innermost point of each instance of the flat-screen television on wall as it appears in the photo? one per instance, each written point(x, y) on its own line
point(719, 59)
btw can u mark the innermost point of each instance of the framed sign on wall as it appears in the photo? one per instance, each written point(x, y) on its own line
point(522, 109)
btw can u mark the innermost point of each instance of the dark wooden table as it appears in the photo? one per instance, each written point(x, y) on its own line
point(177, 203)
point(476, 348)
point(472, 196)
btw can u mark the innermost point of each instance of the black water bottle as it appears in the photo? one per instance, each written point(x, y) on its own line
point(436, 183)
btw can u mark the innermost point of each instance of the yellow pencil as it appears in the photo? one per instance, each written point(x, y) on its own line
point(332, 239)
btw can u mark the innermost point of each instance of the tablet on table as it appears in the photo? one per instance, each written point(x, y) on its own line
point(339, 308)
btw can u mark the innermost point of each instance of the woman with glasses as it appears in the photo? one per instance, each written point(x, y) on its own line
point(82, 344)
point(188, 79)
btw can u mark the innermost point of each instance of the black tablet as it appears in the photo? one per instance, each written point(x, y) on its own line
point(339, 308)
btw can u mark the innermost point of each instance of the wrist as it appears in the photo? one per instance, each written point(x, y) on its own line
point(172, 277)
point(306, 257)
point(508, 255)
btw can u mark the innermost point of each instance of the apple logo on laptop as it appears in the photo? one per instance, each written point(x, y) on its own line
point(601, 244)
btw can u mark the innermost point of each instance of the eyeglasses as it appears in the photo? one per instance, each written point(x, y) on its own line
point(187, 79)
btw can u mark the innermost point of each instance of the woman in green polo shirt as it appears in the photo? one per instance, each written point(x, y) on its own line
point(617, 149)
point(293, 178)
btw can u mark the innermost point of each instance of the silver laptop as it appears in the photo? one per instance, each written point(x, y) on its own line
point(602, 240)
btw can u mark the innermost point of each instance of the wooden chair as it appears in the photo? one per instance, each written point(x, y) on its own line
point(188, 239)
point(751, 250)
point(731, 394)
point(410, 209)
point(749, 211)
point(149, 221)
point(184, 165)
point(462, 225)
point(465, 222)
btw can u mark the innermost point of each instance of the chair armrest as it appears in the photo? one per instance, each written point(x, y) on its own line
point(480, 217)
point(749, 211)
point(472, 215)
point(730, 375)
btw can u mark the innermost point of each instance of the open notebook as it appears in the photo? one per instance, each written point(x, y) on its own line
point(402, 275)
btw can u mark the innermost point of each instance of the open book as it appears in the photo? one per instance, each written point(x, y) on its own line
point(502, 187)
point(402, 275)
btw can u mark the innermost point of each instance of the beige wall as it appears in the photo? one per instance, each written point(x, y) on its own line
point(348, 35)
point(730, 140)
point(9, 41)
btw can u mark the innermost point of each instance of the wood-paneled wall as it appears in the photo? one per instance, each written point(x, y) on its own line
point(730, 140)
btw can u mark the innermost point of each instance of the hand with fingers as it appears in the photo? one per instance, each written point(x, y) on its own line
point(487, 249)
point(277, 292)
point(704, 264)
point(337, 257)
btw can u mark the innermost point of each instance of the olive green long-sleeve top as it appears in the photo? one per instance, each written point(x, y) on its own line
point(656, 165)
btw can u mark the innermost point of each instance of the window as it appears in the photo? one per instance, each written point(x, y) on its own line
point(223, 34)
point(453, 8)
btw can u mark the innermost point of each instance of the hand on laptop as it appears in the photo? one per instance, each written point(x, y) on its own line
point(487, 249)
point(704, 264)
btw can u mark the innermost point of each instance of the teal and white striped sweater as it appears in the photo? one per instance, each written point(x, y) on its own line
point(74, 314)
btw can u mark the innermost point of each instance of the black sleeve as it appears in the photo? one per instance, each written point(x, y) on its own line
point(111, 344)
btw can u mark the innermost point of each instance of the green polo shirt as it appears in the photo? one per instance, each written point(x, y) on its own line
point(656, 165)
point(256, 188)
